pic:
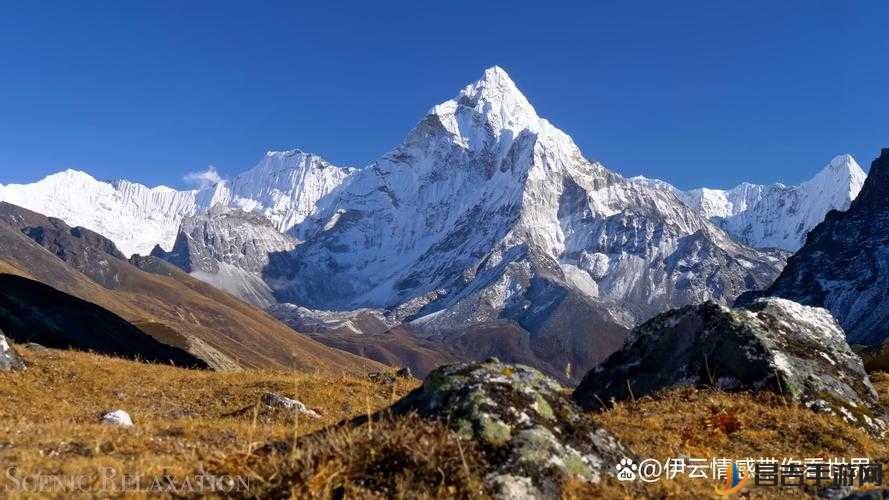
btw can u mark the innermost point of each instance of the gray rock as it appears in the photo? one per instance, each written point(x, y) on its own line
point(9, 358)
point(774, 344)
point(273, 400)
point(533, 434)
point(404, 372)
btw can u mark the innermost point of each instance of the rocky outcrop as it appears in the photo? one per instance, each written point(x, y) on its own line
point(533, 434)
point(9, 358)
point(844, 265)
point(773, 344)
point(230, 249)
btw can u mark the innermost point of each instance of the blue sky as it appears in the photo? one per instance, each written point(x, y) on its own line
point(697, 93)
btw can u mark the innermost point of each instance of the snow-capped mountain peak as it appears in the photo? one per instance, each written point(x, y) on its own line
point(843, 171)
point(134, 216)
point(285, 186)
point(488, 114)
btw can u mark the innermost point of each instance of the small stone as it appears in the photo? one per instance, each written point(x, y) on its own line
point(117, 417)
point(404, 373)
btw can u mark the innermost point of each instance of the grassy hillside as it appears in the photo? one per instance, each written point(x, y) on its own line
point(192, 422)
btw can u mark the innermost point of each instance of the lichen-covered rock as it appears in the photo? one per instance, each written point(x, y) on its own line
point(534, 434)
point(773, 344)
point(9, 358)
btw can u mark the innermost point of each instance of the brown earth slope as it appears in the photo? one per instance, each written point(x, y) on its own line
point(160, 299)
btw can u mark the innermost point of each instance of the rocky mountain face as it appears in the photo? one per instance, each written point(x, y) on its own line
point(773, 344)
point(230, 249)
point(844, 265)
point(486, 218)
point(775, 215)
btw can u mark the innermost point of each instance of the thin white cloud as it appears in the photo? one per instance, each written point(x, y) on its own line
point(204, 178)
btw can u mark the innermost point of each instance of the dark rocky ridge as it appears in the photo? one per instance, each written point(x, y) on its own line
point(33, 312)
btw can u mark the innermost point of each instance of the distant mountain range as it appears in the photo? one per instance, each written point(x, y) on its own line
point(485, 232)
point(776, 215)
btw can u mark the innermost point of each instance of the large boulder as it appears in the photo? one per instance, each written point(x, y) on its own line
point(9, 358)
point(533, 434)
point(773, 344)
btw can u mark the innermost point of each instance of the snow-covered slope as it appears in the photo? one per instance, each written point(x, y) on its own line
point(285, 187)
point(131, 215)
point(776, 215)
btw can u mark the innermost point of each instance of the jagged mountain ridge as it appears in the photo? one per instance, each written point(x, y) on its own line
point(284, 187)
point(776, 215)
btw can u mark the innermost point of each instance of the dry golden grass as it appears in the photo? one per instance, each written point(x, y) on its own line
point(710, 424)
point(189, 423)
point(49, 414)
